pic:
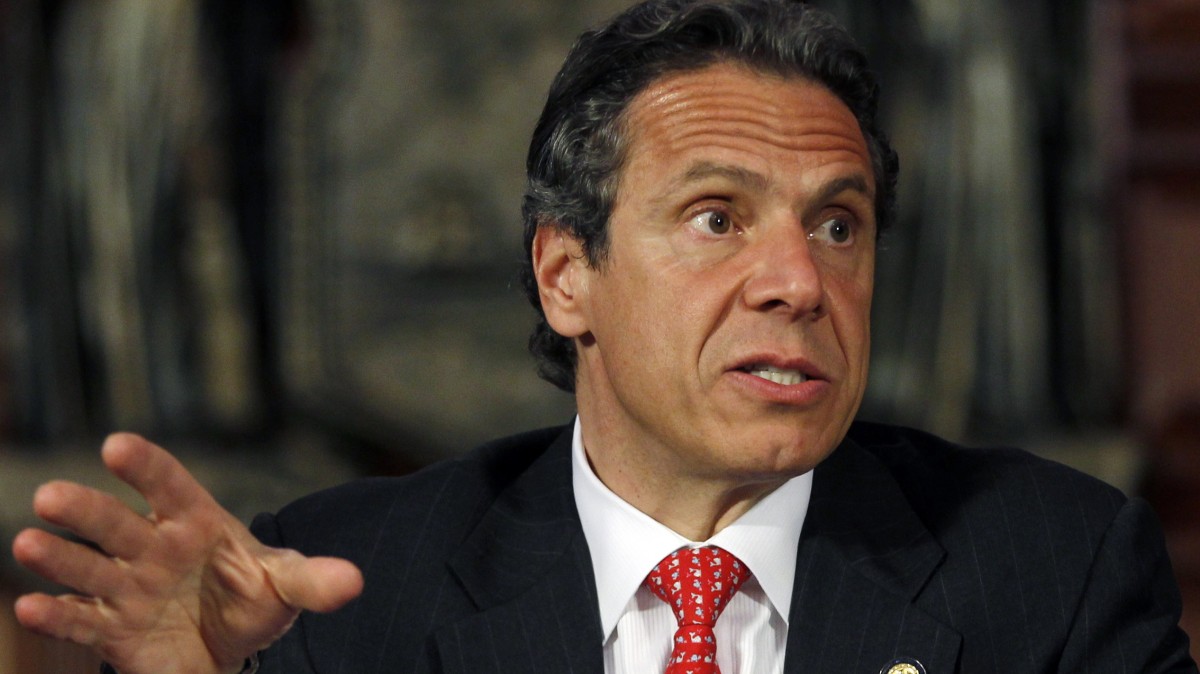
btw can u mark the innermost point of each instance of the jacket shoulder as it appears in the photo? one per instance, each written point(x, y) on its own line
point(450, 495)
point(402, 534)
point(1041, 560)
point(935, 474)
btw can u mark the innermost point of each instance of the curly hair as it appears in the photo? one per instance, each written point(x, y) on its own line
point(577, 149)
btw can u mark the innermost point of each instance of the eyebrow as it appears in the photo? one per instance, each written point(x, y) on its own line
point(743, 177)
point(852, 183)
point(752, 180)
point(757, 181)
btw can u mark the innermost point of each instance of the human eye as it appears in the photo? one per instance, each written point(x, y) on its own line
point(837, 231)
point(712, 222)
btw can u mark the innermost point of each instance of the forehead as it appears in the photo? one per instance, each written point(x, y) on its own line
point(730, 108)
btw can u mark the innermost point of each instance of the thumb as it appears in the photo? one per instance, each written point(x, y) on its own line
point(319, 584)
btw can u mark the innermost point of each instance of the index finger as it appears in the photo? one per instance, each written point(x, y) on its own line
point(160, 478)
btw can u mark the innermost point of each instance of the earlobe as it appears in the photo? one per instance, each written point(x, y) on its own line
point(560, 269)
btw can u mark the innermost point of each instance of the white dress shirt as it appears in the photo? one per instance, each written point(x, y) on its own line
point(625, 544)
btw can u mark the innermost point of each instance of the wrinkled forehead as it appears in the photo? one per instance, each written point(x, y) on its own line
point(729, 101)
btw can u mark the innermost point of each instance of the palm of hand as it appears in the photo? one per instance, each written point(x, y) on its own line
point(188, 589)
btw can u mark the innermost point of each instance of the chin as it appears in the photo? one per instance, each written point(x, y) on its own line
point(782, 457)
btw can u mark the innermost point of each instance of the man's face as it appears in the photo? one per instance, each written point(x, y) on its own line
point(726, 333)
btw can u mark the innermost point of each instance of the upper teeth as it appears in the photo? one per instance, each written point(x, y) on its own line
point(777, 375)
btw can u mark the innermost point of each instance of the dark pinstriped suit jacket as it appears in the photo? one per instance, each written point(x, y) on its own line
point(966, 560)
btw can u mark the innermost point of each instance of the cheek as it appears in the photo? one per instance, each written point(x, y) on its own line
point(856, 287)
point(667, 290)
point(851, 313)
point(850, 295)
point(864, 334)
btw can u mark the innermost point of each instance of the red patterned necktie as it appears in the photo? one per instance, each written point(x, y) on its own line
point(698, 584)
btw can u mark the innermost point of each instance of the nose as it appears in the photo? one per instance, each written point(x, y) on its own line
point(785, 276)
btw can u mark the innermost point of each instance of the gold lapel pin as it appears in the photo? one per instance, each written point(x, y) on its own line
point(903, 666)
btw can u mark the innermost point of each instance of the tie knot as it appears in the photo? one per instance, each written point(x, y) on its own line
point(697, 583)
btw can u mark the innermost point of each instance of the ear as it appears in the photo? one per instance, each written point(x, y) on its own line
point(562, 272)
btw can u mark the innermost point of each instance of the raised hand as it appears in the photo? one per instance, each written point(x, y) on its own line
point(186, 589)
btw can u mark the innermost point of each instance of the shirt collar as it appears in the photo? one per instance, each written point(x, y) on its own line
point(625, 543)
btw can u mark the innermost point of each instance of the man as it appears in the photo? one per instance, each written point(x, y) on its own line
point(706, 188)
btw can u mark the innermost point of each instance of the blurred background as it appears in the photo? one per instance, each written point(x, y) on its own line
point(280, 238)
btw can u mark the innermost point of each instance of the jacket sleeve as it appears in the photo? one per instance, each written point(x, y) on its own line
point(287, 655)
point(1128, 617)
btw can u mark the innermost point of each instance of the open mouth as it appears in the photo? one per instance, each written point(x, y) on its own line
point(777, 375)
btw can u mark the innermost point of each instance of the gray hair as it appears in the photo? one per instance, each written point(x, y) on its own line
point(577, 149)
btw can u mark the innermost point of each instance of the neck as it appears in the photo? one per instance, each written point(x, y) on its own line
point(690, 503)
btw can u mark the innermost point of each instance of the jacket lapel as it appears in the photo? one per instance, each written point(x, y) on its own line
point(528, 570)
point(864, 556)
